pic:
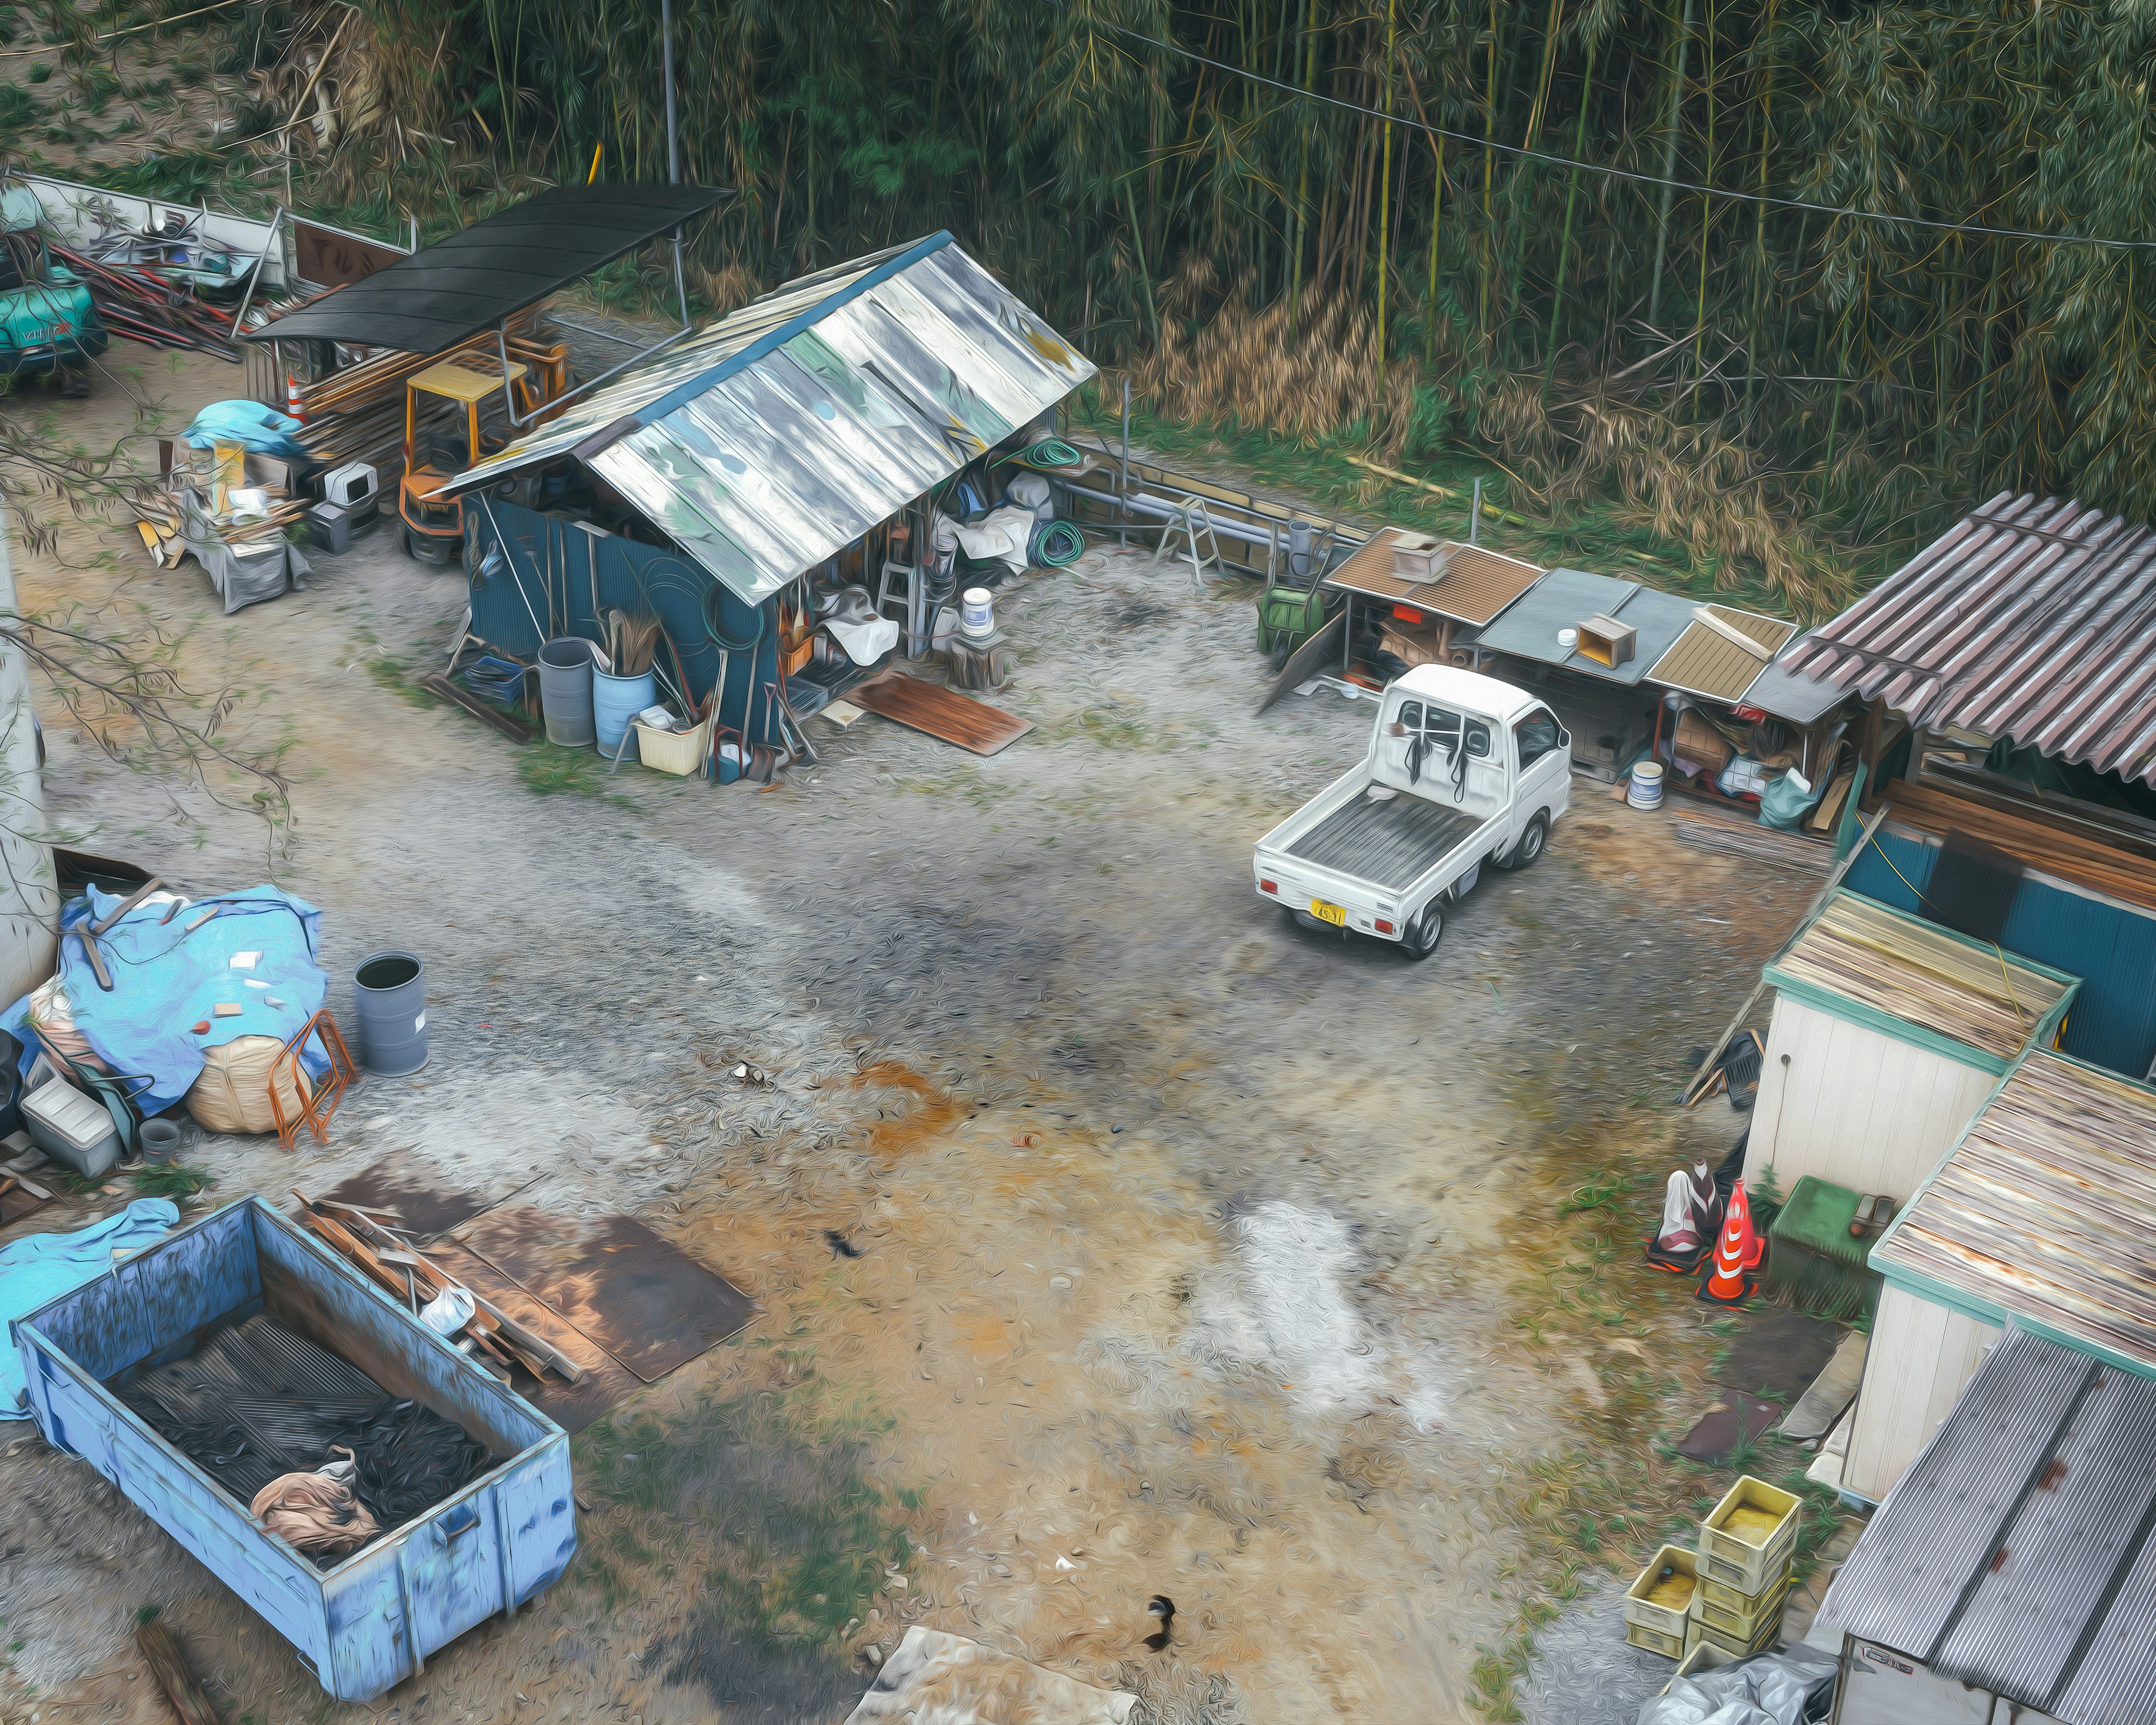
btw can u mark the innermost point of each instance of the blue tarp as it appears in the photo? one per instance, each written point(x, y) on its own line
point(248, 424)
point(166, 981)
point(37, 1270)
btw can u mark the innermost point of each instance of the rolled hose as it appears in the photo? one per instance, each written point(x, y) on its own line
point(1055, 545)
point(1049, 452)
point(716, 631)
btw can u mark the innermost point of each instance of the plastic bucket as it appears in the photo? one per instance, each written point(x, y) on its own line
point(976, 613)
point(160, 1140)
point(389, 991)
point(565, 691)
point(1646, 789)
point(615, 703)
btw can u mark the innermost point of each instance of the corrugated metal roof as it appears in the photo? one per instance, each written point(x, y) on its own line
point(2033, 619)
point(2046, 1210)
point(2014, 1555)
point(1703, 661)
point(1903, 965)
point(1474, 586)
point(1788, 695)
point(790, 427)
point(1565, 598)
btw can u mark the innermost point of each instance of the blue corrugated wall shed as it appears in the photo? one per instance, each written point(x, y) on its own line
point(551, 575)
point(2111, 948)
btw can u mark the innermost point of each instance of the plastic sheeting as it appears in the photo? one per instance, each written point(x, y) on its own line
point(258, 949)
point(263, 430)
point(1774, 1689)
point(35, 1271)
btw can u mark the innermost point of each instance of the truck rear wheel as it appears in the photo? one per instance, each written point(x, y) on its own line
point(1529, 846)
point(1424, 933)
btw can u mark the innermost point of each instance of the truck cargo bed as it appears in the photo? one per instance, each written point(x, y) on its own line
point(1387, 841)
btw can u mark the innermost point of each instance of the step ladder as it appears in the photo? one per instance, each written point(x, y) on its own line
point(1192, 520)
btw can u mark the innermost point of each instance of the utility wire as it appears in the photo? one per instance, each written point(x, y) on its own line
point(1621, 173)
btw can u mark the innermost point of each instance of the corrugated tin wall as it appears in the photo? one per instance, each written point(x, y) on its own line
point(551, 577)
point(2111, 948)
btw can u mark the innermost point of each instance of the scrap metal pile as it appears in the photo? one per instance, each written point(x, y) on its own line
point(256, 1402)
point(146, 302)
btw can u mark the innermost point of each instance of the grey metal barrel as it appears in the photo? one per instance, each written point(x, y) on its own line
point(389, 990)
point(565, 691)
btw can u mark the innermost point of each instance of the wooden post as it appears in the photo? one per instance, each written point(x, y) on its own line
point(169, 1665)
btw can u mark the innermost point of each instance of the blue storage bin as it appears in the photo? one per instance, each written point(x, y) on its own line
point(373, 1619)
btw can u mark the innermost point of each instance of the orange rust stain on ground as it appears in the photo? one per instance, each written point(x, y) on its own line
point(933, 1113)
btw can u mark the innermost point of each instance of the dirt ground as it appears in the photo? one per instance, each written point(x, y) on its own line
point(1109, 1236)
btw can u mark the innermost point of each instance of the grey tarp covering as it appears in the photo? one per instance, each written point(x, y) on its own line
point(2014, 1553)
point(1770, 1689)
point(787, 429)
point(243, 576)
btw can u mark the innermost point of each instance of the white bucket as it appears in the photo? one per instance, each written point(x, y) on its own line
point(1646, 789)
point(976, 614)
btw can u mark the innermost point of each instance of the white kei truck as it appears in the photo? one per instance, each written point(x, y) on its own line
point(1462, 769)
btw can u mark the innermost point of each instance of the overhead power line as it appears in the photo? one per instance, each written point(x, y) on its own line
point(1622, 173)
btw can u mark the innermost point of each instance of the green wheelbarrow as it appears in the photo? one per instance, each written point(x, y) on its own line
point(1293, 606)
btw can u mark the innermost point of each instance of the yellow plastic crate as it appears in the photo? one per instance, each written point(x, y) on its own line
point(1726, 1598)
point(1655, 1641)
point(1741, 1625)
point(1751, 1558)
point(1699, 1630)
point(1669, 1561)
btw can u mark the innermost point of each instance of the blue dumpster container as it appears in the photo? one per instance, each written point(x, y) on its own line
point(372, 1620)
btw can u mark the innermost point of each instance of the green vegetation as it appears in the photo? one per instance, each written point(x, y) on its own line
point(767, 1497)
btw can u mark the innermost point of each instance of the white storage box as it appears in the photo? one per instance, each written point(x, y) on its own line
point(72, 1128)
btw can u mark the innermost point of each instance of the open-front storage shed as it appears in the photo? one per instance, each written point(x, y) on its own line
point(2044, 1213)
point(1888, 1034)
point(368, 1619)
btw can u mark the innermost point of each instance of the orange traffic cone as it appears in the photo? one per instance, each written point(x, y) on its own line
point(1737, 1250)
point(294, 404)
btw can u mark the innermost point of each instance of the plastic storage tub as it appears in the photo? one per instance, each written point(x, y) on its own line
point(1660, 1629)
point(71, 1127)
point(371, 1620)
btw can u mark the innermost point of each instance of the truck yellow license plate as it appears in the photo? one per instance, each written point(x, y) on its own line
point(1328, 913)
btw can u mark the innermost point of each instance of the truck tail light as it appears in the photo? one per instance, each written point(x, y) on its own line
point(1383, 927)
point(1269, 887)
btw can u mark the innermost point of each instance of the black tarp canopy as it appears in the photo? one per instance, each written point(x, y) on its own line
point(450, 291)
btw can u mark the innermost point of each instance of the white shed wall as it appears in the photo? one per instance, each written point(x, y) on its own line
point(1853, 1107)
point(1921, 1356)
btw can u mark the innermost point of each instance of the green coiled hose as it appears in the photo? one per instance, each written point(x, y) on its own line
point(1056, 545)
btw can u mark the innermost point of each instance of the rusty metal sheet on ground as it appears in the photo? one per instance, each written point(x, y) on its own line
point(606, 1383)
point(405, 1194)
point(646, 1303)
point(944, 714)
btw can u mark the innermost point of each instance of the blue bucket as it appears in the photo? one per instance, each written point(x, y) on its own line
point(615, 701)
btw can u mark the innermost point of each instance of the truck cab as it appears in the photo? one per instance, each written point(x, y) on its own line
point(1461, 770)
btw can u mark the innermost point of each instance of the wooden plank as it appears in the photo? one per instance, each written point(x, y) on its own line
point(943, 713)
point(169, 1665)
point(434, 683)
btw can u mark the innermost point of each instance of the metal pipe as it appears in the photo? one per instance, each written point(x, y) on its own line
point(666, 62)
point(1475, 514)
point(255, 277)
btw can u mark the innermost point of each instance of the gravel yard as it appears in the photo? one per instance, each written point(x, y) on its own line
point(1109, 1236)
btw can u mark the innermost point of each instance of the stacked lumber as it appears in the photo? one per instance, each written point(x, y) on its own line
point(137, 302)
point(2078, 857)
point(357, 413)
point(394, 1263)
point(1756, 844)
